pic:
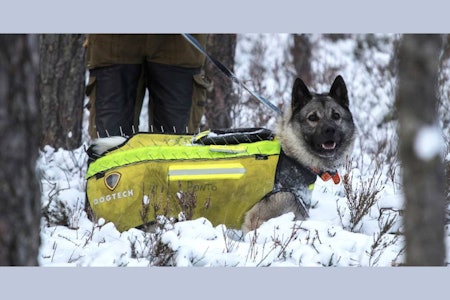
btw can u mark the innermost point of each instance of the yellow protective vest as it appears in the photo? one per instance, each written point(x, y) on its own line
point(160, 174)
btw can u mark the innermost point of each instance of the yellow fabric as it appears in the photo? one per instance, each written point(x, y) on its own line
point(143, 147)
point(155, 174)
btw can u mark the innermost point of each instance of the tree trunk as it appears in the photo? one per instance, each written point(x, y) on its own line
point(220, 99)
point(301, 57)
point(19, 134)
point(62, 89)
point(423, 175)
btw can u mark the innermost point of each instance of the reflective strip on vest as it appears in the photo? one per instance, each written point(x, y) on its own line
point(214, 171)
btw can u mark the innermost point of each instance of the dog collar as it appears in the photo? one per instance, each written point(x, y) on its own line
point(327, 175)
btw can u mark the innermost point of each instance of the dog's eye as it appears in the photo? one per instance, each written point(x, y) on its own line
point(313, 118)
point(336, 116)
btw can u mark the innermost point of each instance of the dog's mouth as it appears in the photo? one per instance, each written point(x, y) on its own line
point(328, 146)
point(327, 149)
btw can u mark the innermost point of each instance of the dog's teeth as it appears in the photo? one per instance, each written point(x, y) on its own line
point(329, 146)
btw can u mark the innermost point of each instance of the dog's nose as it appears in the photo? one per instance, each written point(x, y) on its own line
point(329, 130)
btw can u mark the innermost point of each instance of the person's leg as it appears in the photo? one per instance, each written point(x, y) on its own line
point(116, 88)
point(171, 96)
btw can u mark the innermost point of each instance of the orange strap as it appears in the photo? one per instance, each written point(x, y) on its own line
point(325, 176)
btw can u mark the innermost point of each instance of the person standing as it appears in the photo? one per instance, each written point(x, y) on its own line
point(122, 66)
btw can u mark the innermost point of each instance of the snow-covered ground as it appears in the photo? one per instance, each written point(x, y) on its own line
point(335, 234)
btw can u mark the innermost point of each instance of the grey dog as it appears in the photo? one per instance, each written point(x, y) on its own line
point(316, 133)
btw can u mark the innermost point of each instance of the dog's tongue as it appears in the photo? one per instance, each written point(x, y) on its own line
point(329, 145)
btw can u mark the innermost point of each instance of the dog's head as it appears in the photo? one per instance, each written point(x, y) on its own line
point(318, 129)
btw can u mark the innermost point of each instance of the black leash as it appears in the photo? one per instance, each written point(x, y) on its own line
point(228, 73)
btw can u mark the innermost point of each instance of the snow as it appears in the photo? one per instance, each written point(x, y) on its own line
point(330, 237)
point(428, 143)
point(320, 241)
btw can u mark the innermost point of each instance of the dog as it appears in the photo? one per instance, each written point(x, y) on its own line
point(316, 134)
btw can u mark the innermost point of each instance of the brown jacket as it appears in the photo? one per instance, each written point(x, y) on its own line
point(171, 49)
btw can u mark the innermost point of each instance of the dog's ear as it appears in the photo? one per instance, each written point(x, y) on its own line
point(338, 91)
point(300, 94)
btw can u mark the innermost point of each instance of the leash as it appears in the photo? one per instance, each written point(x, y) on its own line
point(228, 73)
